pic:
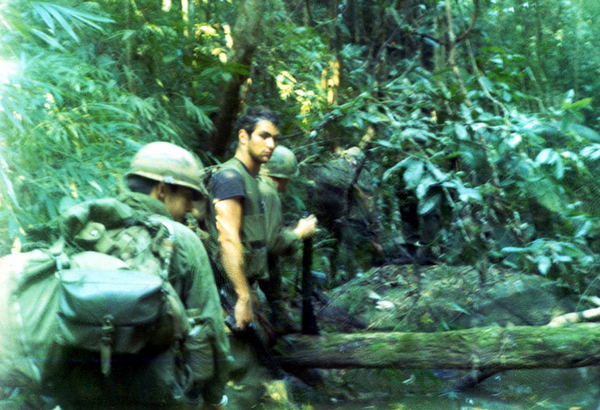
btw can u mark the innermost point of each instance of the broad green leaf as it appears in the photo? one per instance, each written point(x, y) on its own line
point(387, 144)
point(585, 132)
point(591, 152)
point(424, 184)
point(578, 105)
point(487, 83)
point(467, 194)
point(458, 308)
point(544, 264)
point(513, 249)
point(547, 193)
point(514, 140)
point(413, 174)
point(429, 203)
point(545, 156)
point(461, 131)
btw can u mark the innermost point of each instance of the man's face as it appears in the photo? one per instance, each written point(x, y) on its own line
point(179, 201)
point(262, 142)
point(281, 184)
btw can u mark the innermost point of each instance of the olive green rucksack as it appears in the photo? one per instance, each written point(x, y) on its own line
point(98, 292)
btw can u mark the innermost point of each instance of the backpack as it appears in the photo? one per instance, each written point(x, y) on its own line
point(99, 291)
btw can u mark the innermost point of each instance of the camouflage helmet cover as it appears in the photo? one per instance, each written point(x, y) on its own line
point(168, 163)
point(283, 164)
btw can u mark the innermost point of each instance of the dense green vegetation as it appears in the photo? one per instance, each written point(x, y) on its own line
point(481, 109)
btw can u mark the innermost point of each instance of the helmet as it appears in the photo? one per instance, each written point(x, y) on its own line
point(353, 154)
point(166, 162)
point(283, 164)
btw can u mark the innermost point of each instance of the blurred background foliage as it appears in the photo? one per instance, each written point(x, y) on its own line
point(482, 110)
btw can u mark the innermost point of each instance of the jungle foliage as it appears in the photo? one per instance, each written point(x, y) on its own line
point(482, 110)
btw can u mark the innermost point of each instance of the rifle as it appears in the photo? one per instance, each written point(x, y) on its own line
point(309, 320)
point(265, 356)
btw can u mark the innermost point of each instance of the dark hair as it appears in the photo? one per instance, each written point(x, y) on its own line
point(143, 185)
point(140, 184)
point(253, 115)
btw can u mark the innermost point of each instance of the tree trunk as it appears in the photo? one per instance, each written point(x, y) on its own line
point(246, 35)
point(452, 62)
point(489, 349)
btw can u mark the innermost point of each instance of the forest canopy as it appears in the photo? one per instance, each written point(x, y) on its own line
point(481, 109)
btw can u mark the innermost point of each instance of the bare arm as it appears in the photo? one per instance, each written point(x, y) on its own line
point(229, 222)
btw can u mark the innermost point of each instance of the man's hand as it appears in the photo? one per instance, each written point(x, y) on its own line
point(378, 247)
point(306, 227)
point(243, 312)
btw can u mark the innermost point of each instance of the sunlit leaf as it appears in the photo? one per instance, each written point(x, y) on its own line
point(50, 40)
point(424, 184)
point(577, 105)
point(461, 131)
point(585, 132)
point(413, 174)
point(544, 264)
point(429, 203)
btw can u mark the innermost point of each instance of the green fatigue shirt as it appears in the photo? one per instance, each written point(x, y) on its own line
point(191, 275)
point(356, 203)
point(234, 173)
point(280, 240)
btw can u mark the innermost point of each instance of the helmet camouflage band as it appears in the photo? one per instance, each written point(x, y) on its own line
point(283, 164)
point(168, 163)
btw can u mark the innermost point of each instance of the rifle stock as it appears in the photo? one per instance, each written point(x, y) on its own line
point(309, 320)
point(263, 352)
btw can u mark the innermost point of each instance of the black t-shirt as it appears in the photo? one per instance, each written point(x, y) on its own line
point(228, 184)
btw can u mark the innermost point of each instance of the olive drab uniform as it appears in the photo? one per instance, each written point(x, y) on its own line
point(280, 242)
point(193, 279)
point(344, 201)
point(196, 364)
point(253, 232)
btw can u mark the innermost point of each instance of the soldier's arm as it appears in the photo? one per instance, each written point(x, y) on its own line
point(228, 213)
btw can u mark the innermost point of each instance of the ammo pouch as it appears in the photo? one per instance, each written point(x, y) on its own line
point(255, 249)
point(118, 312)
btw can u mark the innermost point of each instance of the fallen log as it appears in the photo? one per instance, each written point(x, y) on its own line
point(481, 349)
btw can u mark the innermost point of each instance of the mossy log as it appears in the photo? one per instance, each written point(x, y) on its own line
point(482, 349)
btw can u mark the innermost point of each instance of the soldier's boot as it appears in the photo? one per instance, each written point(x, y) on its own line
point(283, 322)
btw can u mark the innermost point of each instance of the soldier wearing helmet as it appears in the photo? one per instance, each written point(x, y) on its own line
point(275, 176)
point(345, 202)
point(168, 173)
point(164, 180)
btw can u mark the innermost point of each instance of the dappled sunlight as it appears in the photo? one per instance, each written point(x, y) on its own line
point(7, 70)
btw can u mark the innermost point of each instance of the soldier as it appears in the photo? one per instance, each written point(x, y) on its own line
point(344, 200)
point(163, 179)
point(281, 240)
point(238, 221)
